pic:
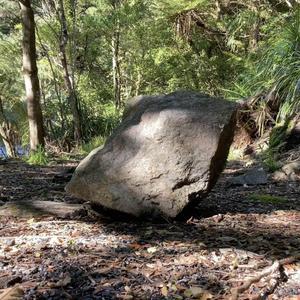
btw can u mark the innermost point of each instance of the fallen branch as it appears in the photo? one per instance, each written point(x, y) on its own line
point(265, 272)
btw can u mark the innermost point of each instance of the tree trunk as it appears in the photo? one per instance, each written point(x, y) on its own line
point(6, 133)
point(116, 68)
point(72, 97)
point(30, 71)
point(115, 45)
point(5, 136)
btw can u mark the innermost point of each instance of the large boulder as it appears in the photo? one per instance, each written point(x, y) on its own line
point(168, 152)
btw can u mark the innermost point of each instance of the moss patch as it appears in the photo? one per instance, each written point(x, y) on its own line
point(267, 198)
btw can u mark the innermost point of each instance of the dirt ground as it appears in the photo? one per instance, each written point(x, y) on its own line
point(229, 239)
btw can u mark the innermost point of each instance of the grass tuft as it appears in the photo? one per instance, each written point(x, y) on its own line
point(38, 157)
point(267, 198)
point(92, 144)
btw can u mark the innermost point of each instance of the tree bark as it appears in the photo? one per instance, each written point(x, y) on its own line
point(30, 71)
point(115, 45)
point(116, 69)
point(72, 96)
point(6, 133)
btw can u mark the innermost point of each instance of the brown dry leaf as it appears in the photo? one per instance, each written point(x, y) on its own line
point(75, 233)
point(206, 295)
point(15, 293)
point(103, 270)
point(136, 246)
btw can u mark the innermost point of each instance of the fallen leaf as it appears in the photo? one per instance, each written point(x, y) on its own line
point(151, 249)
point(206, 295)
point(196, 292)
point(103, 270)
point(126, 297)
point(31, 221)
point(75, 233)
point(136, 246)
point(235, 263)
point(164, 291)
point(15, 293)
point(127, 289)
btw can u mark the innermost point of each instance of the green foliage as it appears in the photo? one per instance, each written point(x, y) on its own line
point(270, 160)
point(234, 154)
point(267, 198)
point(163, 46)
point(278, 136)
point(280, 65)
point(275, 68)
point(38, 157)
point(91, 145)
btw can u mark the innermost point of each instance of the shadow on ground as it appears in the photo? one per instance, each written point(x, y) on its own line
point(197, 250)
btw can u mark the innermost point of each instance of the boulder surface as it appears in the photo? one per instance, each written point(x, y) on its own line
point(167, 153)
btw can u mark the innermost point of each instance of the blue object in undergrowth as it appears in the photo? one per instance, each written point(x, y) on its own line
point(20, 151)
point(3, 152)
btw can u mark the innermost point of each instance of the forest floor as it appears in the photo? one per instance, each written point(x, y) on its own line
point(230, 237)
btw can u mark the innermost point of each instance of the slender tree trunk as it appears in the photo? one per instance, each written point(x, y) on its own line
point(116, 68)
point(6, 133)
point(115, 45)
point(30, 71)
point(72, 96)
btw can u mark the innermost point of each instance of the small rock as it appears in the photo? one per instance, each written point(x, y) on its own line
point(9, 242)
point(256, 176)
point(280, 176)
point(292, 169)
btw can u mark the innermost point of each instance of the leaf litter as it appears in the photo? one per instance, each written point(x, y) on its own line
point(225, 243)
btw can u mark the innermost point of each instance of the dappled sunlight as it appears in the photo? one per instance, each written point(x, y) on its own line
point(225, 239)
point(153, 93)
point(140, 259)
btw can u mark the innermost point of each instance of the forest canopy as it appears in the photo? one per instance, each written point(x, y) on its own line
point(94, 55)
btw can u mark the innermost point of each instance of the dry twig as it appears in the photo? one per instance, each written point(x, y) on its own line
point(265, 272)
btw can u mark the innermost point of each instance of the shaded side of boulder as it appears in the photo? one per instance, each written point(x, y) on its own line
point(168, 151)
